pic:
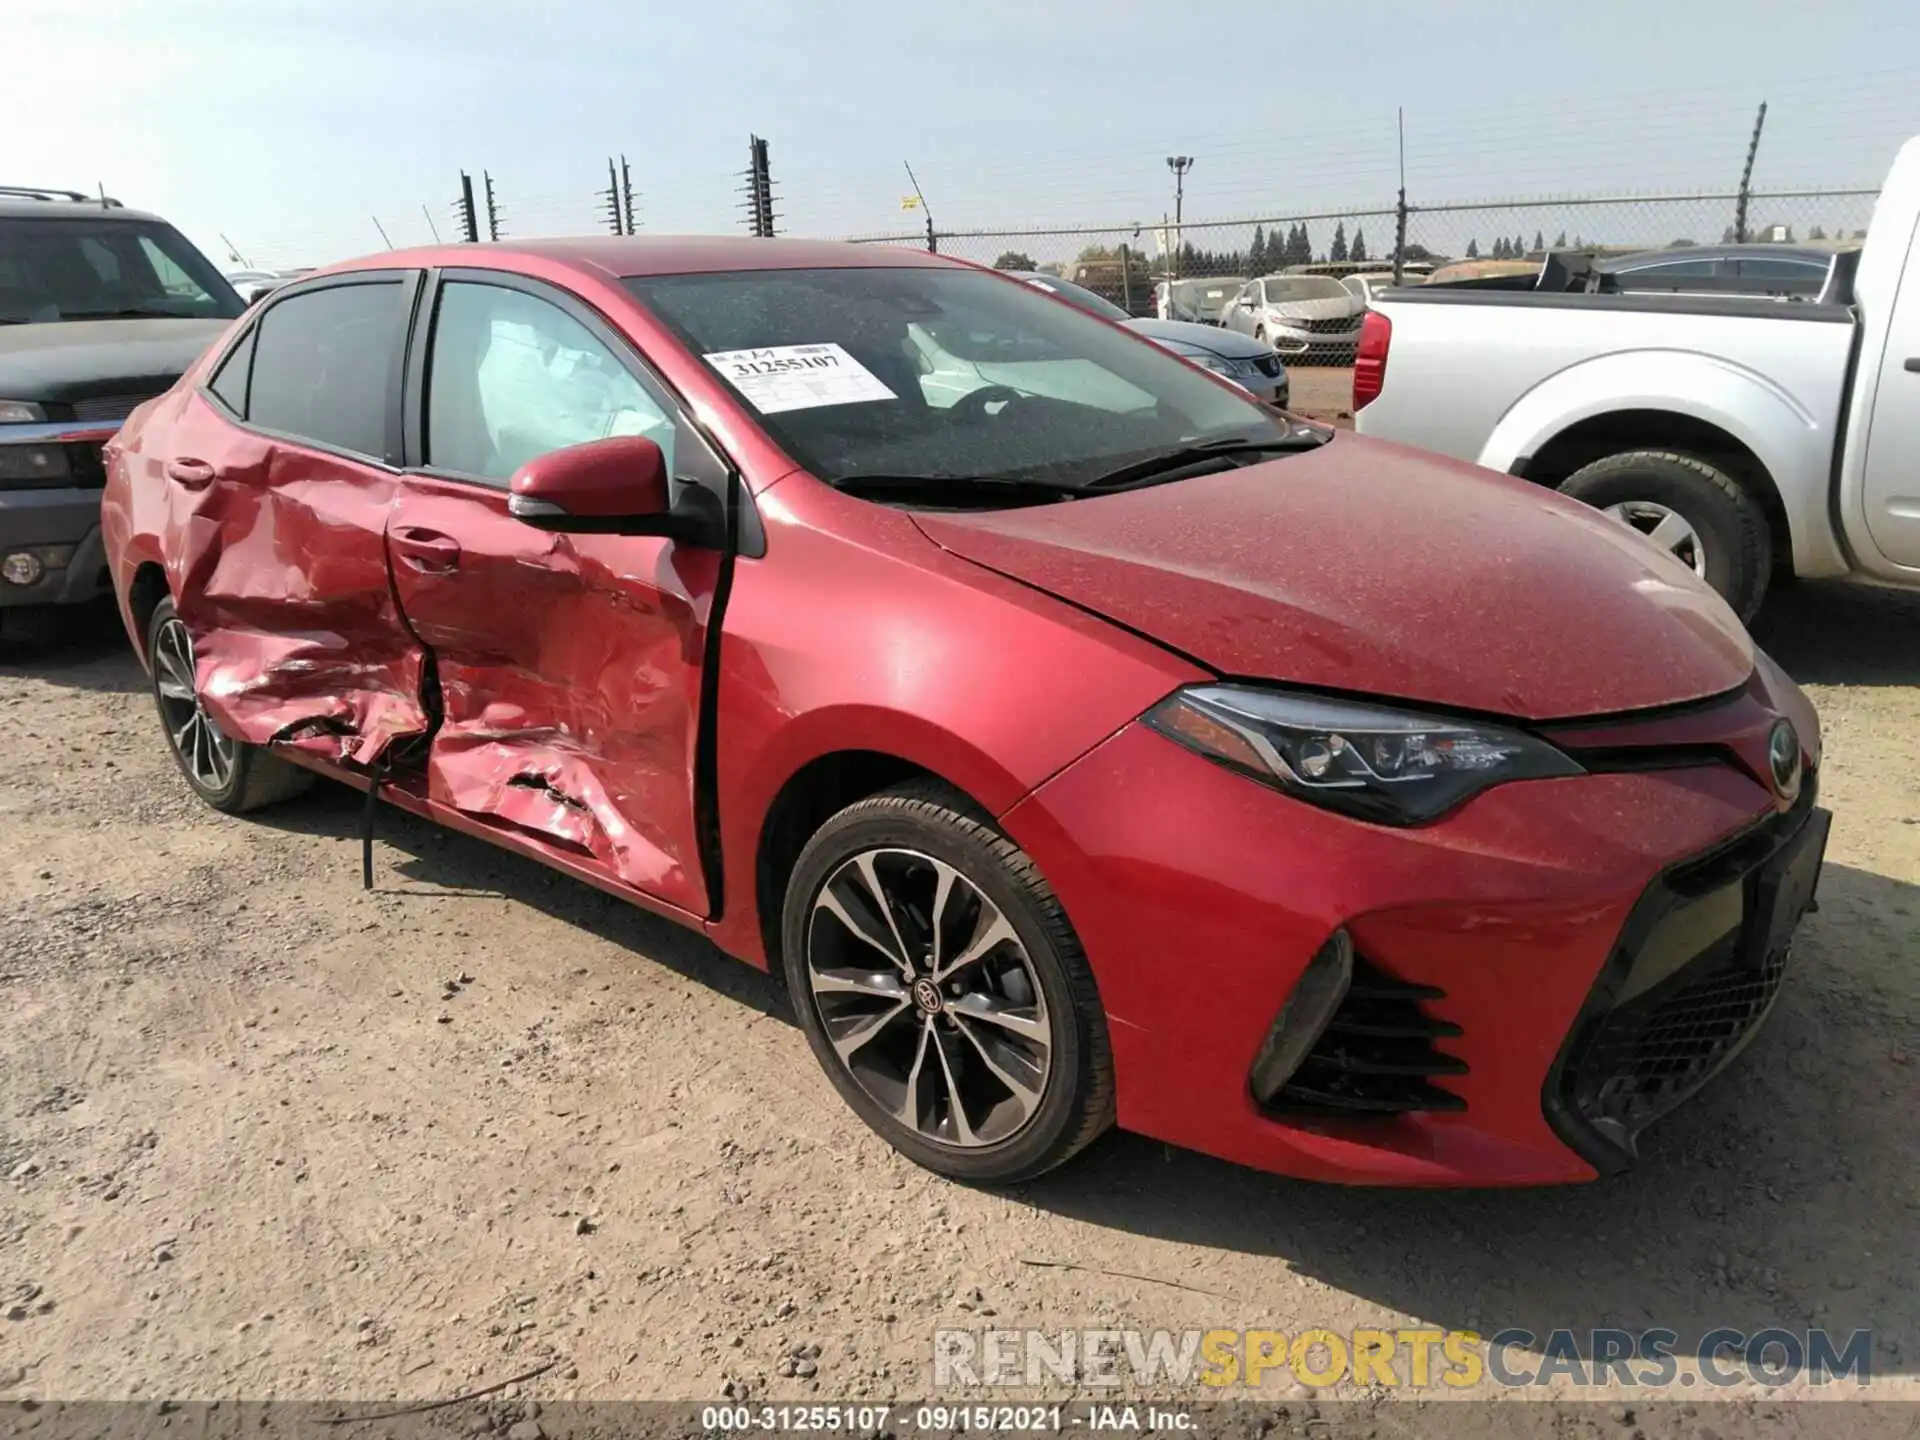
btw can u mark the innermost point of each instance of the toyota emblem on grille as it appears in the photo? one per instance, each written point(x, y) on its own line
point(1783, 759)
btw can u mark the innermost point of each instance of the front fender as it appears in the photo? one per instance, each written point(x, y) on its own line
point(1793, 443)
point(858, 633)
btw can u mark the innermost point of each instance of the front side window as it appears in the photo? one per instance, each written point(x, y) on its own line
point(54, 270)
point(512, 377)
point(323, 366)
point(942, 374)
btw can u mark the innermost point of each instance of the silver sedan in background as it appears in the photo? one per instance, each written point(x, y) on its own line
point(1309, 317)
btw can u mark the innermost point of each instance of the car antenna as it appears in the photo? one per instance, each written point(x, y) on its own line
point(933, 239)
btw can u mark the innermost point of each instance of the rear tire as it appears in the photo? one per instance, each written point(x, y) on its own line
point(230, 775)
point(1015, 1039)
point(1702, 516)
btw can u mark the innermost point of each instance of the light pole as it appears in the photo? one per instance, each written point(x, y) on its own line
point(1179, 165)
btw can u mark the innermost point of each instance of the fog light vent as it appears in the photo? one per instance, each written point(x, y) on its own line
point(1373, 1054)
point(1323, 985)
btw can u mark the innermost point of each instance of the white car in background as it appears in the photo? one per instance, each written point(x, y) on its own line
point(1306, 317)
point(1202, 302)
point(1365, 287)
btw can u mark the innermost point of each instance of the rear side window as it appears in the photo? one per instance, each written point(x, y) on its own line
point(230, 381)
point(1774, 267)
point(323, 366)
point(1674, 270)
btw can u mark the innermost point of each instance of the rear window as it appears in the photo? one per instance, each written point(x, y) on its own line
point(65, 269)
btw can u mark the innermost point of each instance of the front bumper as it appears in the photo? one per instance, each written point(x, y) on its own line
point(40, 518)
point(1201, 897)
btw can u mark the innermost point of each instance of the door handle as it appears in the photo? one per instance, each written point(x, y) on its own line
point(190, 474)
point(1913, 364)
point(426, 550)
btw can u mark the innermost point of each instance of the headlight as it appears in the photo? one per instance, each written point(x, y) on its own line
point(1393, 767)
point(28, 466)
point(20, 412)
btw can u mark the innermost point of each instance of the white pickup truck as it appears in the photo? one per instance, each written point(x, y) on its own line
point(1750, 436)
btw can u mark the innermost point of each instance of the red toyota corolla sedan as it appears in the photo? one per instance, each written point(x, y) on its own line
point(1084, 742)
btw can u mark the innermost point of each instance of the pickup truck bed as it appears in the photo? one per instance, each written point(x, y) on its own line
point(1749, 436)
point(1577, 376)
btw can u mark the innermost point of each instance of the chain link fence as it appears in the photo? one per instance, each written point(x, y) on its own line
point(1190, 270)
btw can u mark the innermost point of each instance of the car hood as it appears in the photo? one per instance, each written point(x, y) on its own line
point(1227, 344)
point(1373, 568)
point(1331, 308)
point(76, 357)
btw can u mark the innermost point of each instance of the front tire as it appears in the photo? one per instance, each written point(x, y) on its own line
point(230, 775)
point(943, 990)
point(1700, 515)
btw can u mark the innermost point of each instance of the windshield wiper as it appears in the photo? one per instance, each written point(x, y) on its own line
point(1166, 463)
point(984, 489)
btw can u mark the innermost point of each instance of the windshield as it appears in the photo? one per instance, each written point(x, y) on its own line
point(947, 374)
point(70, 269)
point(1304, 287)
point(1075, 295)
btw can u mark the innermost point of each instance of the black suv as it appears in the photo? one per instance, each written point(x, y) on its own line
point(101, 308)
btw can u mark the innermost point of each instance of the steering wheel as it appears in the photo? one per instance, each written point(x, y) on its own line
point(973, 404)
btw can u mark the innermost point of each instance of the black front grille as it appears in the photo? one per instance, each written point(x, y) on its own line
point(108, 407)
point(1337, 326)
point(1640, 1060)
point(1376, 1055)
point(1268, 365)
point(1687, 987)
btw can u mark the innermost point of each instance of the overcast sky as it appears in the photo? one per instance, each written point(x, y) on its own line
point(288, 125)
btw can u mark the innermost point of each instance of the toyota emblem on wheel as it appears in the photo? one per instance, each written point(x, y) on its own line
point(1783, 759)
point(926, 995)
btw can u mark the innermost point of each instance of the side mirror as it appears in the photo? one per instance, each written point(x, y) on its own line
point(613, 486)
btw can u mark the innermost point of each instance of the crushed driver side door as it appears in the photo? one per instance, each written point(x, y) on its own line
point(569, 665)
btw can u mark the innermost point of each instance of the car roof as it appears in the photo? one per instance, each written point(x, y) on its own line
point(632, 256)
point(13, 208)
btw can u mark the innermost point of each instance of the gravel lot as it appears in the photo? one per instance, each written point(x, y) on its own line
point(264, 1134)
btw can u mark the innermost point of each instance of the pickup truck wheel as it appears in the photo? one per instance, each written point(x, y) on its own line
point(1698, 514)
point(942, 989)
point(228, 774)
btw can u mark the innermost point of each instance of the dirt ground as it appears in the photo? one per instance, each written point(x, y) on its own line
point(265, 1135)
point(1324, 392)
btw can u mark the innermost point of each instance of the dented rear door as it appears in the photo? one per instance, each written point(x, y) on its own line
point(568, 666)
point(279, 480)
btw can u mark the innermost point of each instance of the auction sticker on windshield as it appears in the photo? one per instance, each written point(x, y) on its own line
point(799, 377)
